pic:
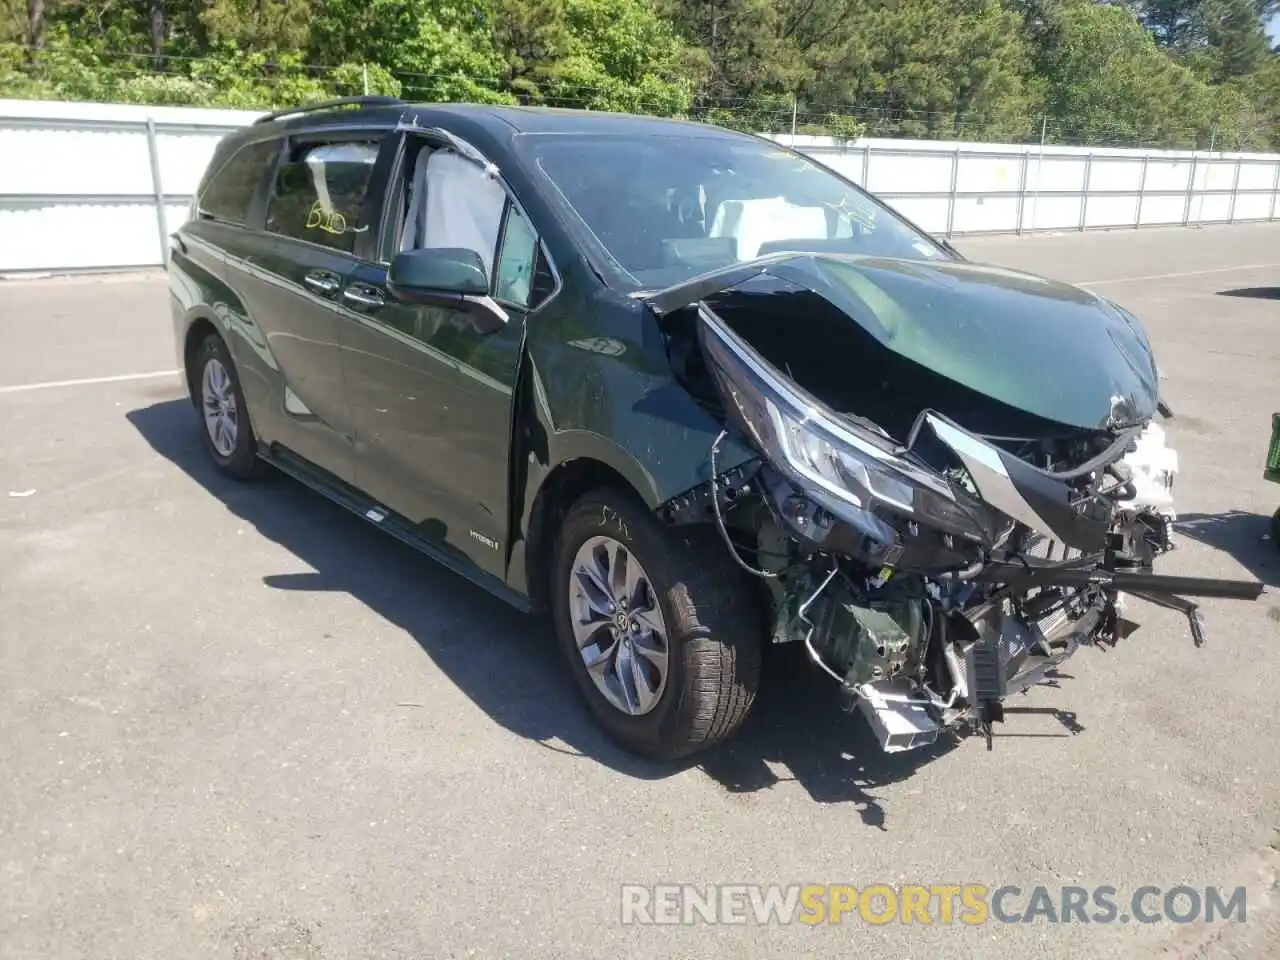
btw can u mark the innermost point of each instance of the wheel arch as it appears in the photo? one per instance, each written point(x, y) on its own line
point(199, 327)
point(563, 485)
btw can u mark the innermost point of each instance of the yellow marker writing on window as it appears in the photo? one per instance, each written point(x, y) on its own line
point(330, 221)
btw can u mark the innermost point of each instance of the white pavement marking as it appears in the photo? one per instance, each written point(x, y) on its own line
point(88, 381)
point(1185, 273)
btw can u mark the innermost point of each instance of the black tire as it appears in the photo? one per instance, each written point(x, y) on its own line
point(712, 617)
point(242, 463)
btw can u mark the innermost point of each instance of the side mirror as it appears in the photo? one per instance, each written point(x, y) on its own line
point(447, 277)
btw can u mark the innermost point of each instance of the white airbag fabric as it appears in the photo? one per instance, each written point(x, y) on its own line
point(453, 203)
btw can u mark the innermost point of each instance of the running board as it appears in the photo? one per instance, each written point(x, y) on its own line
point(344, 495)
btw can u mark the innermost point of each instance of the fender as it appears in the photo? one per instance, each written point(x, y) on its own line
point(196, 288)
point(608, 402)
point(199, 294)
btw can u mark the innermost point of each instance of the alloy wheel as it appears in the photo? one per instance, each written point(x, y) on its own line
point(221, 416)
point(618, 625)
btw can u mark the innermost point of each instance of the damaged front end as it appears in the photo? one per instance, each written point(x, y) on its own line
point(934, 546)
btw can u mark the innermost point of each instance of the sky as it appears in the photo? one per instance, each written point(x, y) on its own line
point(1273, 29)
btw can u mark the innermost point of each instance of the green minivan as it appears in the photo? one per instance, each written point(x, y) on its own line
point(689, 393)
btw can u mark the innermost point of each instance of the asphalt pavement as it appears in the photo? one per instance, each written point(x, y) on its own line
point(236, 722)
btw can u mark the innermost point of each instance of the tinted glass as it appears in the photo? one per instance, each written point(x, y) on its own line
point(319, 192)
point(230, 190)
point(513, 278)
point(666, 209)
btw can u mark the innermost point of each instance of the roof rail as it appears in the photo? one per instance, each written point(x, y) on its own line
point(365, 101)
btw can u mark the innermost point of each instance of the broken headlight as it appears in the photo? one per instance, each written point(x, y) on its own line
point(847, 469)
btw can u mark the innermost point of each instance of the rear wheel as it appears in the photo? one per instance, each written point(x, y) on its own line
point(660, 630)
point(227, 433)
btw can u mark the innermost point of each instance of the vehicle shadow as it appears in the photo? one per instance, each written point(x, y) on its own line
point(507, 662)
point(1243, 536)
point(1254, 293)
point(797, 732)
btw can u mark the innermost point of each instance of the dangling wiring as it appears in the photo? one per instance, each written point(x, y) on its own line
point(803, 616)
point(724, 532)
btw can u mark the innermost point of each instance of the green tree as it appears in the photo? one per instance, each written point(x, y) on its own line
point(1260, 117)
point(1155, 71)
point(1109, 82)
point(749, 50)
point(13, 22)
point(1220, 39)
point(270, 25)
point(531, 36)
point(620, 55)
point(438, 50)
point(937, 68)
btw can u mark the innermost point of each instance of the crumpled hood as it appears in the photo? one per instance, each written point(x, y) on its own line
point(1044, 347)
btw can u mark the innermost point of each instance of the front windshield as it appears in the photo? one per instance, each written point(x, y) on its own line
point(668, 208)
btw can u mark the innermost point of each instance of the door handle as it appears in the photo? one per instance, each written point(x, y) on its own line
point(322, 281)
point(363, 296)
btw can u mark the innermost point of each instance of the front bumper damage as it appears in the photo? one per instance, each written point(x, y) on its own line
point(992, 637)
point(933, 586)
point(1007, 656)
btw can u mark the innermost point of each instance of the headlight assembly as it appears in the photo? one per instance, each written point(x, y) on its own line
point(851, 471)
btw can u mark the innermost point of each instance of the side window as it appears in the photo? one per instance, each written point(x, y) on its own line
point(230, 190)
point(319, 192)
point(513, 278)
point(452, 202)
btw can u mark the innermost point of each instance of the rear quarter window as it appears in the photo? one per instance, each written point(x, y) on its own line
point(229, 192)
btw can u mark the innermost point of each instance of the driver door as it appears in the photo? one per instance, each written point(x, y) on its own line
point(431, 392)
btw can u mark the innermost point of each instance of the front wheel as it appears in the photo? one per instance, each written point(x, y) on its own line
point(660, 629)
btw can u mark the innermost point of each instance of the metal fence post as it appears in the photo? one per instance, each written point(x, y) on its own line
point(1084, 198)
point(1142, 189)
point(1022, 187)
point(1035, 197)
point(866, 165)
point(153, 154)
point(1235, 189)
point(951, 200)
point(1191, 187)
point(1275, 187)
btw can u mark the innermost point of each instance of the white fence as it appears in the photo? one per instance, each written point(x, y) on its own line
point(99, 186)
point(951, 188)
